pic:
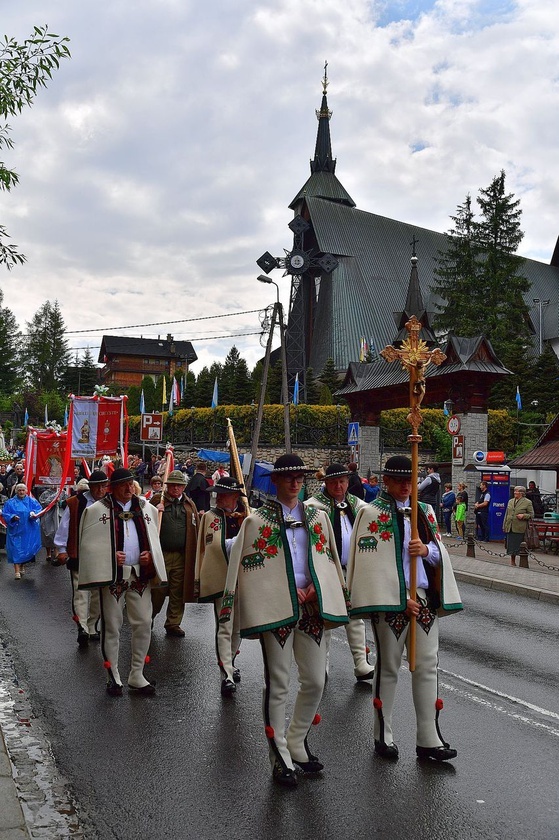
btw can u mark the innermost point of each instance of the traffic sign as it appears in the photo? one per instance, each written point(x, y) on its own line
point(352, 434)
point(151, 428)
point(453, 425)
point(458, 450)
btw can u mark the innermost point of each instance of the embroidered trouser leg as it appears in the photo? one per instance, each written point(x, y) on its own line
point(138, 608)
point(357, 641)
point(311, 663)
point(174, 564)
point(390, 648)
point(85, 605)
point(227, 639)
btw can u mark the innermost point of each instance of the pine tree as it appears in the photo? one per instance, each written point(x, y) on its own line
point(47, 354)
point(541, 390)
point(89, 372)
point(458, 272)
point(235, 382)
point(9, 356)
point(147, 385)
point(313, 388)
point(480, 278)
point(330, 378)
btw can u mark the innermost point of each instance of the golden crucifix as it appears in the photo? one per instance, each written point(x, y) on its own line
point(414, 355)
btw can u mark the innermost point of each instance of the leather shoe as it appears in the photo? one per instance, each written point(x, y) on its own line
point(175, 630)
point(94, 637)
point(389, 751)
point(236, 675)
point(114, 689)
point(228, 688)
point(144, 690)
point(368, 676)
point(436, 753)
point(83, 638)
point(312, 766)
point(284, 777)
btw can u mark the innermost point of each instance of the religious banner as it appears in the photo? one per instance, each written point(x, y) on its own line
point(96, 426)
point(50, 454)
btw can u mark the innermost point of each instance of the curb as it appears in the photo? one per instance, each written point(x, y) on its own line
point(12, 821)
point(533, 592)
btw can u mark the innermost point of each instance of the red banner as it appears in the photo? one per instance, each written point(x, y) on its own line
point(96, 426)
point(50, 456)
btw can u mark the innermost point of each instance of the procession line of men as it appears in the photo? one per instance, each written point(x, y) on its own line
point(278, 577)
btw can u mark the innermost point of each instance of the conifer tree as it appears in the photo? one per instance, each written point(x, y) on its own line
point(47, 354)
point(9, 352)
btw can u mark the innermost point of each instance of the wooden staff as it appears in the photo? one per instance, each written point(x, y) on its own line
point(414, 355)
point(168, 456)
point(236, 468)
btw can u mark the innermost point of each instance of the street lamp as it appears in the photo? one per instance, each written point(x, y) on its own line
point(277, 315)
point(541, 303)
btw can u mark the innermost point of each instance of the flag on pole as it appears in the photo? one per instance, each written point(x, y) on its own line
point(164, 395)
point(46, 414)
point(445, 408)
point(171, 401)
point(182, 388)
point(176, 393)
point(26, 417)
point(214, 395)
point(296, 390)
point(65, 416)
point(518, 399)
point(142, 403)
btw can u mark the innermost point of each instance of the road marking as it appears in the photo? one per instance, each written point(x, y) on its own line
point(523, 718)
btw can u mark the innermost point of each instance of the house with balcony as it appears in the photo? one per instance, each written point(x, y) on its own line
point(127, 360)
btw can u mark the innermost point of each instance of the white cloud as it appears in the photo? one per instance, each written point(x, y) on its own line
point(160, 162)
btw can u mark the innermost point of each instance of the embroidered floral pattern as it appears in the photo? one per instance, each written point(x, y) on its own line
point(118, 589)
point(425, 618)
point(382, 526)
point(267, 544)
point(397, 622)
point(311, 622)
point(138, 586)
point(317, 535)
point(215, 524)
point(282, 634)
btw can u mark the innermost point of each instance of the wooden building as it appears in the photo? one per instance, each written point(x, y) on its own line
point(127, 360)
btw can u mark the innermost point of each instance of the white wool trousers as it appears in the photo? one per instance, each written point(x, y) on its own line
point(85, 606)
point(424, 681)
point(138, 610)
point(227, 639)
point(310, 659)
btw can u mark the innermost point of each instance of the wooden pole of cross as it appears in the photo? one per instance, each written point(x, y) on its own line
point(414, 355)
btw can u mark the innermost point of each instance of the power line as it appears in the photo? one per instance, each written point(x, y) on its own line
point(201, 339)
point(161, 323)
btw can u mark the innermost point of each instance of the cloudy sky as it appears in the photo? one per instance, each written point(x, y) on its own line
point(160, 163)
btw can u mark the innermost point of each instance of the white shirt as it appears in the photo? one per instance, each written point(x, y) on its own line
point(131, 546)
point(61, 536)
point(298, 540)
point(433, 557)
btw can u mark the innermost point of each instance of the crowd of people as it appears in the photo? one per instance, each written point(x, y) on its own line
point(140, 539)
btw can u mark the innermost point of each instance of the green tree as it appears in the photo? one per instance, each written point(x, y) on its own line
point(9, 350)
point(329, 376)
point(273, 391)
point(479, 276)
point(147, 385)
point(541, 390)
point(47, 354)
point(235, 382)
point(24, 68)
point(89, 372)
point(313, 388)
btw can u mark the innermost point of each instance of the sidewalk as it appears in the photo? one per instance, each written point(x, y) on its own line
point(12, 822)
point(490, 568)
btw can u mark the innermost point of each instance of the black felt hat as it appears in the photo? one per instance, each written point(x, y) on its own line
point(122, 474)
point(228, 484)
point(336, 471)
point(97, 477)
point(291, 463)
point(398, 466)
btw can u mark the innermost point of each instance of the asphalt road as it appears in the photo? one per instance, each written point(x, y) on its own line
point(187, 764)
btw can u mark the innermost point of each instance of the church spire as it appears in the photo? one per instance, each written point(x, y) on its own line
point(414, 306)
point(323, 161)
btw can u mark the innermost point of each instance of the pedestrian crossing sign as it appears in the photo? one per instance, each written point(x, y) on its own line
point(352, 434)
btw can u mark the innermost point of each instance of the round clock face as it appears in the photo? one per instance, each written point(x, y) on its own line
point(296, 261)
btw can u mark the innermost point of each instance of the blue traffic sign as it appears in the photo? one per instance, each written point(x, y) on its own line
point(352, 434)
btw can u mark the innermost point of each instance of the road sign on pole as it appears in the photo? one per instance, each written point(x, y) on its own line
point(151, 428)
point(352, 434)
